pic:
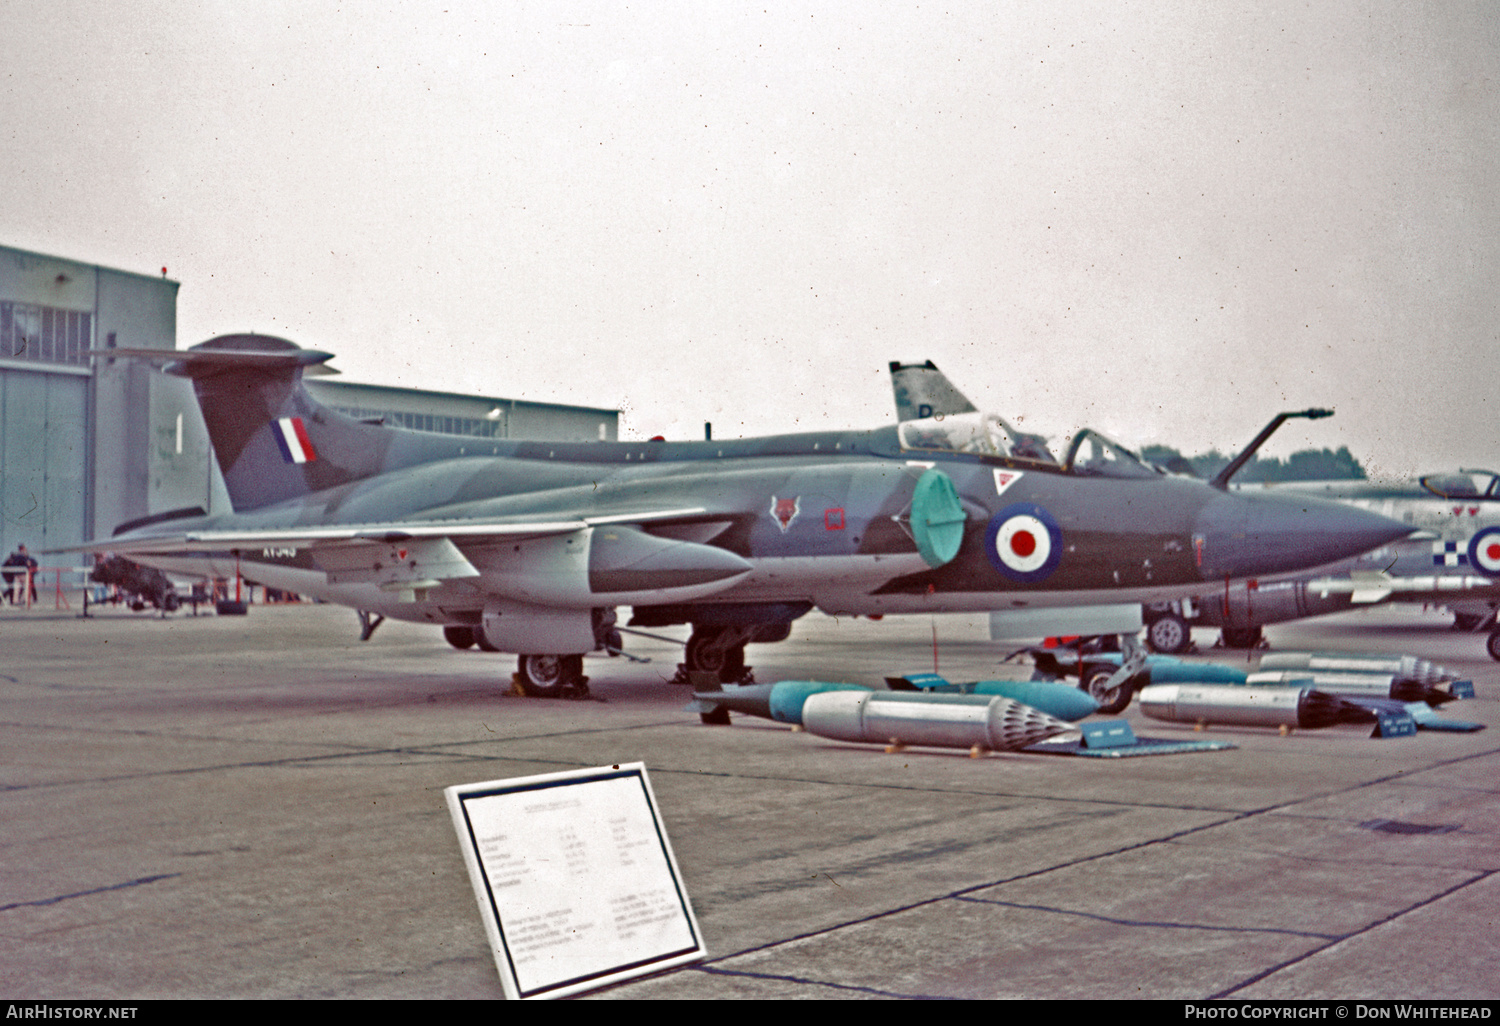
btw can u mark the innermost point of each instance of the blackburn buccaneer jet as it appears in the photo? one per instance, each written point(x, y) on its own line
point(528, 547)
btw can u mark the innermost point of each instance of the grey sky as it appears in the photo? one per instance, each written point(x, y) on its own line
point(1167, 220)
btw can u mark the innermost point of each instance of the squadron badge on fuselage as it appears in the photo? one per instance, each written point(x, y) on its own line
point(784, 511)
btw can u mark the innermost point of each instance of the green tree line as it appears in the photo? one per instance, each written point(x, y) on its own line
point(1305, 465)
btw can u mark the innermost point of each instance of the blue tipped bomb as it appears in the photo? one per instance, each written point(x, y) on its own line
point(781, 702)
point(1061, 700)
point(1095, 669)
point(784, 700)
point(1049, 696)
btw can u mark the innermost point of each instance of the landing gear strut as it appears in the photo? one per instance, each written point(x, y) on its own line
point(1473, 622)
point(1241, 637)
point(1113, 687)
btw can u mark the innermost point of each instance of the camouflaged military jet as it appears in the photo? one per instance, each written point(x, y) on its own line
point(528, 547)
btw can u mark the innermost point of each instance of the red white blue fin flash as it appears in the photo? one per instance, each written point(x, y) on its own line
point(292, 439)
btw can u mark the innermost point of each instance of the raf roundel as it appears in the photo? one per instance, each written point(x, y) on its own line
point(1024, 542)
point(1484, 552)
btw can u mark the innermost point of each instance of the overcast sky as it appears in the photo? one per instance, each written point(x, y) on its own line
point(1166, 220)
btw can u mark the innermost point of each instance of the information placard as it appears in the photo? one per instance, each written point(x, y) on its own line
point(575, 879)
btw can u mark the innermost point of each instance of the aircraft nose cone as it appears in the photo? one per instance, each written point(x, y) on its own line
point(1261, 534)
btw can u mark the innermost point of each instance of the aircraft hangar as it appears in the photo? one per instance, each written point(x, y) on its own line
point(88, 445)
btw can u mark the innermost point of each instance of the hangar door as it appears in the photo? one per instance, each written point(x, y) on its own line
point(43, 461)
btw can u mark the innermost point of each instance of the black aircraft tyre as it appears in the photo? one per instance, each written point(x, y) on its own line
point(1241, 637)
point(1493, 645)
point(1168, 634)
point(1112, 700)
point(459, 636)
point(701, 654)
point(547, 676)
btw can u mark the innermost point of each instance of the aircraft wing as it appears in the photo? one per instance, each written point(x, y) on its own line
point(409, 555)
point(312, 535)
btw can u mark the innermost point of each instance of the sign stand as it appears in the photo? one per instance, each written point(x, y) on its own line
point(575, 879)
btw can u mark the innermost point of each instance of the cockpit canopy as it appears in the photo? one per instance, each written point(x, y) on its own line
point(987, 434)
point(1094, 455)
point(1466, 484)
point(983, 434)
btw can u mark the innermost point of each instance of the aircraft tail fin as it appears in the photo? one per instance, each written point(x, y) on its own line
point(273, 441)
point(923, 391)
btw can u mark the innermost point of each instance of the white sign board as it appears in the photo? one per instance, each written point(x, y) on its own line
point(575, 879)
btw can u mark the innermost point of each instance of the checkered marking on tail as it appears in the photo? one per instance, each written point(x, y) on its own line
point(1449, 554)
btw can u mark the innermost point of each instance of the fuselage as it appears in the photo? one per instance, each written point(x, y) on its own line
point(824, 520)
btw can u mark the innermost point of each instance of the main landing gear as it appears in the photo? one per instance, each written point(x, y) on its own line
point(552, 676)
point(721, 650)
point(538, 676)
point(1112, 699)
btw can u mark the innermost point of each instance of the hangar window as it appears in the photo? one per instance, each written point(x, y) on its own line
point(44, 334)
point(466, 427)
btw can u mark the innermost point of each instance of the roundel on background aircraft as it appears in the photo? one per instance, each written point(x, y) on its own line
point(1484, 552)
point(1024, 542)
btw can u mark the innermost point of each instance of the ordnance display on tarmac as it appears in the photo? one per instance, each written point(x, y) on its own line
point(1304, 689)
point(784, 700)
